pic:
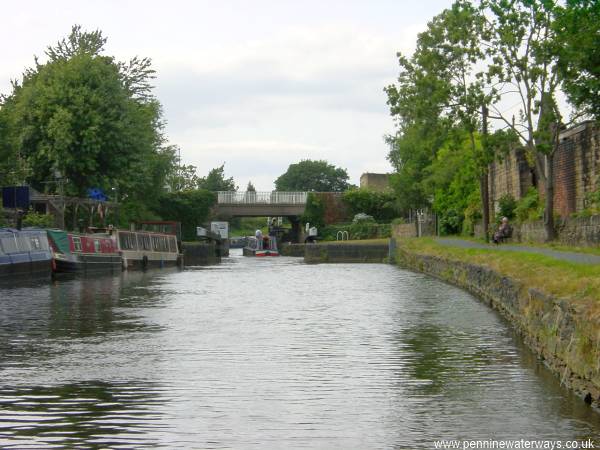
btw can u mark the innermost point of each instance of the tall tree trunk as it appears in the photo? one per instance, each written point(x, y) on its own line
point(549, 200)
point(484, 180)
point(485, 203)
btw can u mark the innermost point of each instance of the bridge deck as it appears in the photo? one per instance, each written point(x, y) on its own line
point(257, 204)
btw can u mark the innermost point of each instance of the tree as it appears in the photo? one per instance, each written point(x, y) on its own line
point(441, 79)
point(181, 177)
point(90, 119)
point(190, 207)
point(215, 181)
point(577, 29)
point(313, 176)
point(519, 37)
point(250, 187)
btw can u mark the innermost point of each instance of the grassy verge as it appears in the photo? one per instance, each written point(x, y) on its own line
point(578, 282)
point(551, 245)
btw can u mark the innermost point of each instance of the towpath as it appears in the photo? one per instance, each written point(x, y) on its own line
point(576, 257)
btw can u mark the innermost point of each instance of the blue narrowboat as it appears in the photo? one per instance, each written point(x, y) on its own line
point(24, 252)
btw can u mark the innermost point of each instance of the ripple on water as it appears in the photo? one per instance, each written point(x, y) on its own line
point(268, 354)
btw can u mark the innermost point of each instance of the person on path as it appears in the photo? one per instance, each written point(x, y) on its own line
point(504, 231)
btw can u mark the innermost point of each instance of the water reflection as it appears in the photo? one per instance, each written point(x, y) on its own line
point(269, 354)
point(96, 415)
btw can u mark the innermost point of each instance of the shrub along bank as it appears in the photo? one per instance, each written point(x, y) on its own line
point(554, 304)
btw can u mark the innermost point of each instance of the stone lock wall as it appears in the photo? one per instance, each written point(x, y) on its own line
point(346, 253)
point(561, 332)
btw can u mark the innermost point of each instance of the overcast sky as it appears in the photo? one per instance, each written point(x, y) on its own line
point(256, 85)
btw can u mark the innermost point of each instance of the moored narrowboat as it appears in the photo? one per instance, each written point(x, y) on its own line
point(144, 250)
point(24, 253)
point(76, 252)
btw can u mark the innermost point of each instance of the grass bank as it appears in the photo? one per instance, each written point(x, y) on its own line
point(578, 282)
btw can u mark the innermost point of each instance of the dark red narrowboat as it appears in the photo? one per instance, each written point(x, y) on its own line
point(75, 252)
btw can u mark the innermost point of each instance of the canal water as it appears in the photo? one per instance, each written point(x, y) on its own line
point(269, 354)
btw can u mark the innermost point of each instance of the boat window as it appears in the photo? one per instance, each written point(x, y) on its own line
point(155, 244)
point(77, 243)
point(133, 241)
point(172, 245)
point(163, 244)
point(122, 241)
point(9, 244)
point(97, 245)
point(146, 241)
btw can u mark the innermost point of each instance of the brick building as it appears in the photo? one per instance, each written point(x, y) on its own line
point(576, 171)
point(375, 181)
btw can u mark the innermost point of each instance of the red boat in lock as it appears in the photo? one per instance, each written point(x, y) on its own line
point(79, 252)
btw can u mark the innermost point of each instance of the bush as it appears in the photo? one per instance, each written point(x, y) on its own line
point(450, 222)
point(507, 205)
point(37, 220)
point(380, 205)
point(529, 207)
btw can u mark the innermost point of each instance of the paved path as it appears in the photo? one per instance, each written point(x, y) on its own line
point(582, 258)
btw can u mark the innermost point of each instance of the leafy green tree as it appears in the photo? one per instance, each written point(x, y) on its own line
point(250, 187)
point(313, 176)
point(215, 181)
point(314, 211)
point(453, 177)
point(181, 177)
point(577, 33)
point(89, 119)
point(440, 89)
point(190, 207)
point(519, 38)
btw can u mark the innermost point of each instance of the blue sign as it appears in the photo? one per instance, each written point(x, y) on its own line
point(15, 197)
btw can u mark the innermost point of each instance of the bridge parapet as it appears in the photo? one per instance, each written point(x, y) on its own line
point(261, 198)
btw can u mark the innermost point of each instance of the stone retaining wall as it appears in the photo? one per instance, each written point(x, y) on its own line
point(200, 254)
point(404, 230)
point(296, 250)
point(573, 231)
point(559, 331)
point(346, 253)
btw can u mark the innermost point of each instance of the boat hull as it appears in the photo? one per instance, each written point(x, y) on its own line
point(259, 253)
point(138, 261)
point(26, 268)
point(88, 263)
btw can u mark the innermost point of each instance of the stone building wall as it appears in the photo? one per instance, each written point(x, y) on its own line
point(576, 171)
point(375, 181)
point(512, 175)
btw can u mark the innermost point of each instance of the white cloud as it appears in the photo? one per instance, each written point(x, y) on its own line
point(258, 85)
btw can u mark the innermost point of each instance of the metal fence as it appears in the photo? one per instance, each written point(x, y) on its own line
point(264, 198)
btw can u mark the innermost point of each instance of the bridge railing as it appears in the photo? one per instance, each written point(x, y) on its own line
point(263, 198)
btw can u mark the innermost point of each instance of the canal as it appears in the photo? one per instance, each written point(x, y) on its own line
point(269, 354)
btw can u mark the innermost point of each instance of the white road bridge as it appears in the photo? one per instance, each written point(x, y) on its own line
point(260, 204)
